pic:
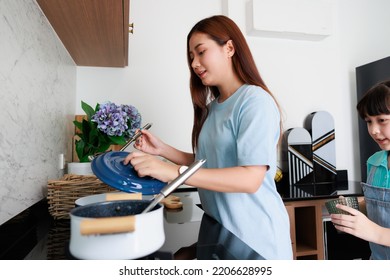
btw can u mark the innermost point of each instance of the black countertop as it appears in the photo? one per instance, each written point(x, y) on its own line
point(319, 191)
point(189, 232)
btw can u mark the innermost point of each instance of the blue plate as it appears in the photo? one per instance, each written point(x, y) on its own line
point(109, 168)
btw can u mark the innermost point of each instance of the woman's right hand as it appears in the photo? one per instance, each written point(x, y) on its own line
point(149, 165)
point(148, 143)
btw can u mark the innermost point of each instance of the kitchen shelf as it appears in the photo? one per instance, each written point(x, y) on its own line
point(95, 32)
point(306, 229)
point(304, 250)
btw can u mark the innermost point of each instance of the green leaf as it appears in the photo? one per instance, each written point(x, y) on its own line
point(103, 148)
point(86, 130)
point(102, 139)
point(80, 145)
point(117, 140)
point(78, 124)
point(93, 136)
point(88, 110)
point(85, 159)
point(127, 133)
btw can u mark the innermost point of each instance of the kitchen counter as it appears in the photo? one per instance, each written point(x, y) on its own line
point(189, 232)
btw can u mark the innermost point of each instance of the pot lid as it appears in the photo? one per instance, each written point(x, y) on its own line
point(109, 168)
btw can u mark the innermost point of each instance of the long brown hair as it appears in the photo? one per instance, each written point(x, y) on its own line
point(220, 29)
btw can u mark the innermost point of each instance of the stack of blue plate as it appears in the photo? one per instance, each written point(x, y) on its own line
point(109, 168)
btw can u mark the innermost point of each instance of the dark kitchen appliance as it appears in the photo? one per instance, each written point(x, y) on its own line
point(368, 75)
point(343, 246)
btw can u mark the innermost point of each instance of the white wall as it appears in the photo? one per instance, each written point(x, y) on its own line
point(157, 78)
point(305, 75)
point(38, 91)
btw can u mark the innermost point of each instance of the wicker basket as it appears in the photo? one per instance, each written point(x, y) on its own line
point(58, 240)
point(62, 194)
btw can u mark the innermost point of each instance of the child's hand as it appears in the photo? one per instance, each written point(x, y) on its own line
point(356, 224)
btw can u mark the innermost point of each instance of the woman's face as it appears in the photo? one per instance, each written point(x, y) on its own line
point(210, 61)
point(379, 129)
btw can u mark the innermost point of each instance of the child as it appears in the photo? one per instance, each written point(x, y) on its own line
point(374, 108)
point(236, 128)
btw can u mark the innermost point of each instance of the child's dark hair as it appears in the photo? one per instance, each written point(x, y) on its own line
point(376, 101)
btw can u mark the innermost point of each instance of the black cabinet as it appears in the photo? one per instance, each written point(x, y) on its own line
point(342, 246)
point(367, 76)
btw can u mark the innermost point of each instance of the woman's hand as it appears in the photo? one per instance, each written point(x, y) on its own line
point(149, 165)
point(356, 224)
point(148, 143)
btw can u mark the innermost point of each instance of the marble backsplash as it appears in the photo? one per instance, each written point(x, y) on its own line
point(38, 92)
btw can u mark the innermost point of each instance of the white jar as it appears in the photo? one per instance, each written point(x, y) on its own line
point(80, 168)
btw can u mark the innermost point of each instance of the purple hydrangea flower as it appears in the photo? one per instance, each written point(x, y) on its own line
point(117, 120)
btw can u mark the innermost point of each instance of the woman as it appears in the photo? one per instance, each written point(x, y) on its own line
point(237, 129)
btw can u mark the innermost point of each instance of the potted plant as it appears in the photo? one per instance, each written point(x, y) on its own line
point(108, 124)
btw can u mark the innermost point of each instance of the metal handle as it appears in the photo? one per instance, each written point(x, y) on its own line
point(136, 136)
point(182, 177)
point(168, 189)
point(131, 28)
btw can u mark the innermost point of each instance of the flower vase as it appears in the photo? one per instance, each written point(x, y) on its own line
point(80, 168)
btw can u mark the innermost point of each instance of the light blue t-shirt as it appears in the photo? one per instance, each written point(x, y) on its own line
point(241, 131)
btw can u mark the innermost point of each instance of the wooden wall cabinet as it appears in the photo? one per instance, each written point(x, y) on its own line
point(95, 32)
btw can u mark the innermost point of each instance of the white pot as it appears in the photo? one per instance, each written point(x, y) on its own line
point(116, 230)
point(80, 168)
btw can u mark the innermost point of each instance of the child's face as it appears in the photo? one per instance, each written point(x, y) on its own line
point(379, 129)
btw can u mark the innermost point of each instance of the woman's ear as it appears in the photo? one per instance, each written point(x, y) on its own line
point(230, 48)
